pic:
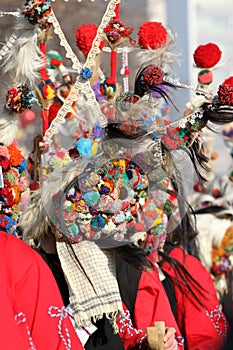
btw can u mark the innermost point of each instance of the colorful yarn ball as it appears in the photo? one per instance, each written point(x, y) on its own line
point(37, 12)
point(86, 73)
point(128, 127)
point(97, 132)
point(205, 77)
point(107, 87)
point(157, 175)
point(53, 59)
point(105, 204)
point(214, 155)
point(84, 147)
point(91, 198)
point(225, 95)
point(153, 75)
point(20, 99)
point(7, 224)
point(85, 35)
point(119, 218)
point(47, 89)
point(125, 100)
point(97, 223)
point(152, 35)
point(207, 56)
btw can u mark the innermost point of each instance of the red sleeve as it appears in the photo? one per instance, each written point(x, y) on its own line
point(39, 298)
point(151, 305)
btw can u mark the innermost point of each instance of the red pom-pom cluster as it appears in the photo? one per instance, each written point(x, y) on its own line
point(85, 35)
point(225, 94)
point(152, 35)
point(153, 75)
point(207, 56)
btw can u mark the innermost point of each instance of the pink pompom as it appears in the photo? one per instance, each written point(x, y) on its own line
point(205, 77)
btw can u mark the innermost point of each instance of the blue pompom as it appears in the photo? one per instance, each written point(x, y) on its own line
point(91, 198)
point(97, 223)
point(84, 147)
point(86, 73)
point(23, 165)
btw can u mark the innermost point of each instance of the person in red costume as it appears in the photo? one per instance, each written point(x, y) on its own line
point(150, 295)
point(33, 315)
point(198, 311)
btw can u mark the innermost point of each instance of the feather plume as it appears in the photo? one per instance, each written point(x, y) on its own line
point(36, 221)
point(23, 60)
point(8, 127)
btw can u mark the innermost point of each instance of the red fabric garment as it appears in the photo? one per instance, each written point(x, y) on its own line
point(203, 327)
point(31, 302)
point(151, 305)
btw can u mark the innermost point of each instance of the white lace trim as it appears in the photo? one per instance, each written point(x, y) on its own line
point(80, 86)
point(8, 45)
point(63, 42)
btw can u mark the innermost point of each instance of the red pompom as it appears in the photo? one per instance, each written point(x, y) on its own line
point(228, 81)
point(207, 56)
point(85, 35)
point(152, 35)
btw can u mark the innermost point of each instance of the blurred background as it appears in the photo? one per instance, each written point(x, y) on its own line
point(193, 22)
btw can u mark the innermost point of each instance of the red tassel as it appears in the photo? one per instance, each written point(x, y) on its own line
point(45, 117)
point(43, 72)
